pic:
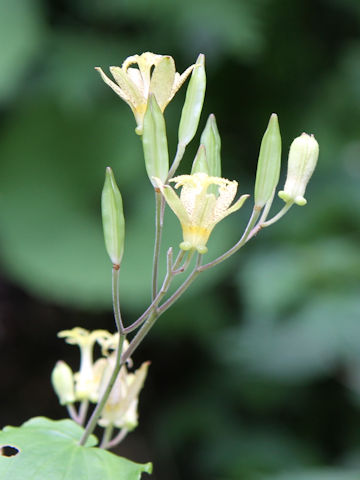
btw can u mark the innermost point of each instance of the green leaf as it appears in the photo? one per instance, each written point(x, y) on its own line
point(49, 450)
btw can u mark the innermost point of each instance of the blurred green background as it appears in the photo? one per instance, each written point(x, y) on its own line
point(255, 373)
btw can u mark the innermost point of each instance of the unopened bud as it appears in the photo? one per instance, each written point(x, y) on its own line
point(268, 169)
point(62, 380)
point(194, 100)
point(113, 218)
point(210, 138)
point(303, 155)
point(200, 164)
point(155, 142)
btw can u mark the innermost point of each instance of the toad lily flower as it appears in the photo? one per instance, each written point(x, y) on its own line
point(198, 210)
point(121, 407)
point(134, 85)
point(87, 379)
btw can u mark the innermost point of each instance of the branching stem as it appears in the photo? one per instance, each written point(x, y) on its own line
point(159, 217)
point(116, 300)
point(252, 221)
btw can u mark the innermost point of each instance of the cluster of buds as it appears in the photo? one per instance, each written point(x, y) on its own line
point(89, 383)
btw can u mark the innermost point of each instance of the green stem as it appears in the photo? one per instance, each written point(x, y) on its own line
point(91, 424)
point(178, 157)
point(277, 217)
point(154, 315)
point(170, 301)
point(139, 337)
point(73, 413)
point(159, 215)
point(107, 436)
point(171, 272)
point(90, 427)
point(116, 300)
point(252, 221)
point(83, 411)
point(118, 438)
point(267, 207)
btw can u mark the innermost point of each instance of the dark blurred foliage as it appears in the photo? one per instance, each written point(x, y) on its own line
point(256, 372)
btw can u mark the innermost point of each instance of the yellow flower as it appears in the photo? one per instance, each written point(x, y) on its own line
point(134, 85)
point(87, 378)
point(198, 210)
point(120, 409)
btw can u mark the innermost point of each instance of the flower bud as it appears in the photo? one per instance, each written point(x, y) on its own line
point(210, 138)
point(155, 142)
point(268, 168)
point(191, 111)
point(303, 155)
point(200, 164)
point(62, 380)
point(113, 218)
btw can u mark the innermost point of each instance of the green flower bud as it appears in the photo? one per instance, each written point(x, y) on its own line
point(155, 142)
point(268, 168)
point(200, 164)
point(62, 380)
point(210, 138)
point(194, 100)
point(113, 218)
point(303, 156)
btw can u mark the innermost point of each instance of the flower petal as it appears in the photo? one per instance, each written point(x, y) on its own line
point(237, 205)
point(162, 81)
point(114, 86)
point(180, 79)
point(127, 85)
point(173, 201)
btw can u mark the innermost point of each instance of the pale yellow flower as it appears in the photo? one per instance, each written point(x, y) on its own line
point(155, 74)
point(198, 210)
point(120, 409)
point(87, 379)
point(303, 157)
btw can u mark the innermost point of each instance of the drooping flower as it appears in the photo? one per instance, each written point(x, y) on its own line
point(134, 85)
point(303, 157)
point(198, 210)
point(87, 379)
point(62, 379)
point(120, 410)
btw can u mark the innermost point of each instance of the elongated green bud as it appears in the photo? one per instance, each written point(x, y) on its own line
point(268, 168)
point(194, 100)
point(200, 164)
point(155, 142)
point(210, 138)
point(113, 218)
point(303, 156)
point(62, 380)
